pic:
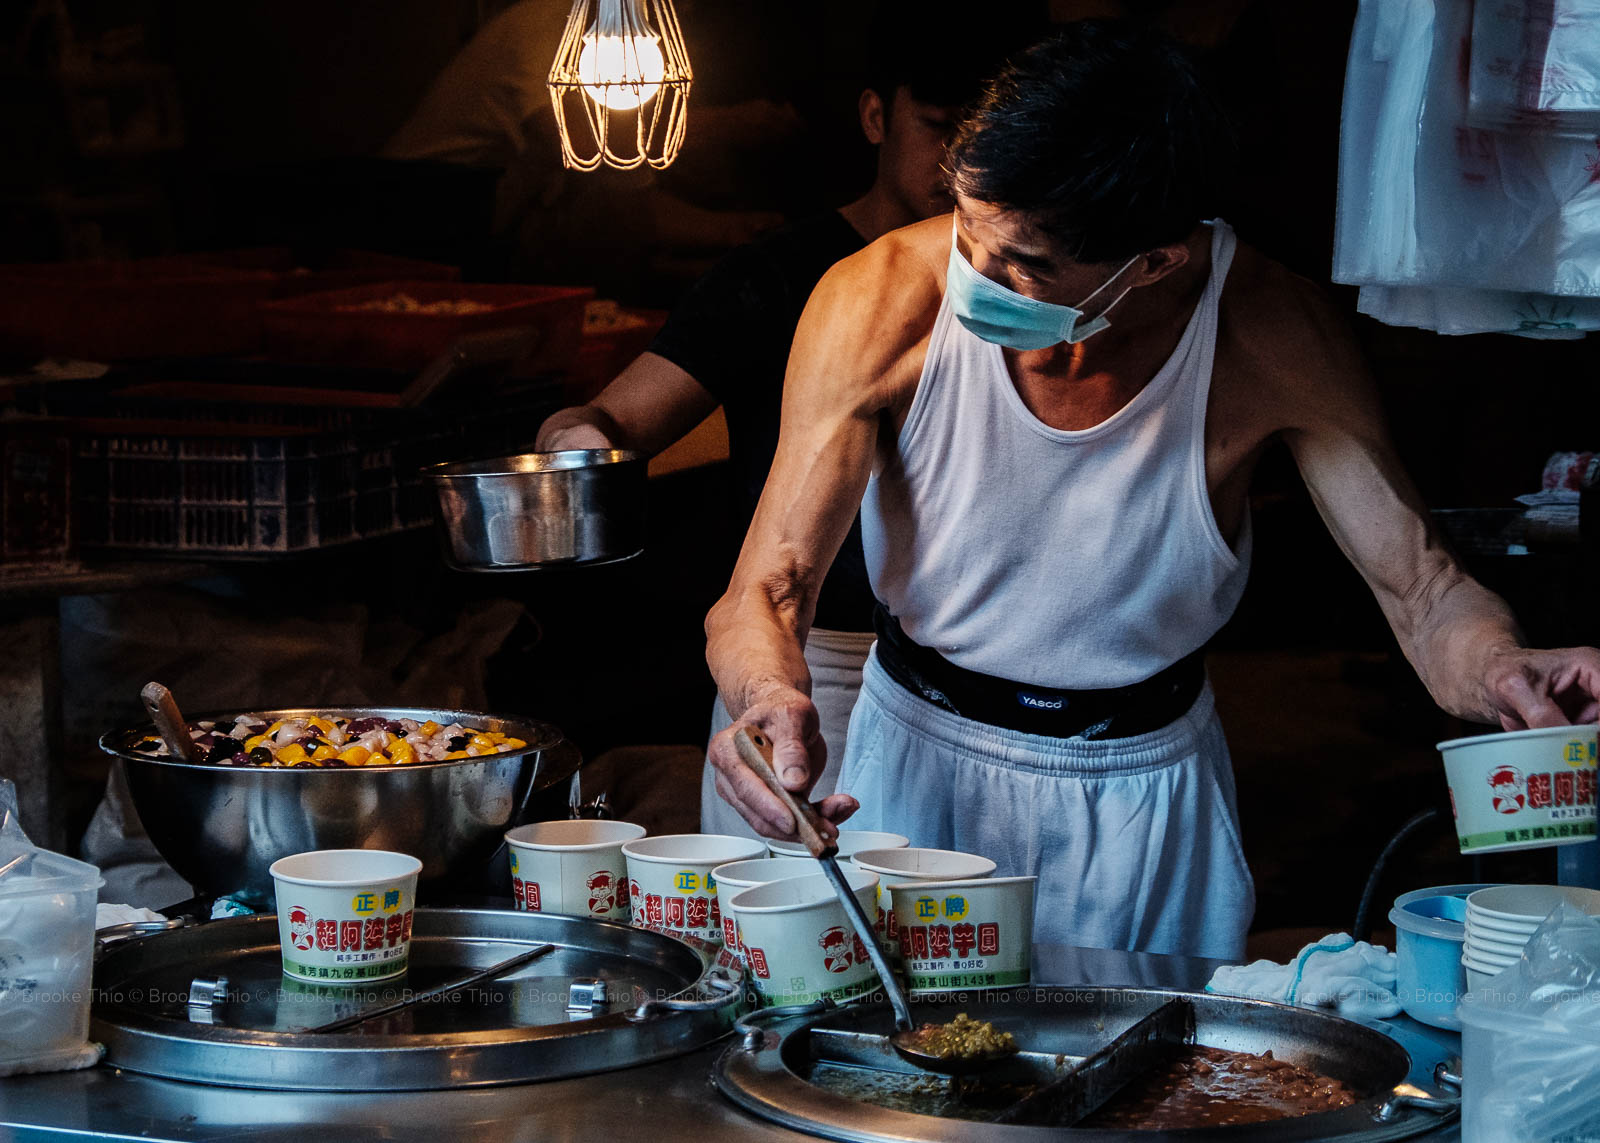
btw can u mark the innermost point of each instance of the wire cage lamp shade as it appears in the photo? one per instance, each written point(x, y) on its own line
point(620, 84)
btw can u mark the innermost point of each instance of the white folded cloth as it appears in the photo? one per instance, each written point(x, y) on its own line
point(106, 915)
point(1339, 972)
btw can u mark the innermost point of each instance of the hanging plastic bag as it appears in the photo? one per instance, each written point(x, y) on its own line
point(1426, 199)
point(1536, 67)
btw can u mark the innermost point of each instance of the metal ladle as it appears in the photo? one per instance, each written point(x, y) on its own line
point(755, 750)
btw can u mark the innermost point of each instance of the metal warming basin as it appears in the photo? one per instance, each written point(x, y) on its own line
point(832, 1074)
point(220, 827)
point(154, 1008)
point(669, 1101)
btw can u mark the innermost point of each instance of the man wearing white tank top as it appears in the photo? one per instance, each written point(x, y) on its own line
point(1049, 419)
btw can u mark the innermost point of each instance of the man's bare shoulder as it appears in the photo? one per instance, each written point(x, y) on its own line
point(869, 318)
point(1281, 337)
point(901, 273)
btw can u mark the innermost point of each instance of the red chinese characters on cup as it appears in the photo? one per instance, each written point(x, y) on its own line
point(526, 894)
point(666, 911)
point(943, 942)
point(327, 935)
point(1541, 791)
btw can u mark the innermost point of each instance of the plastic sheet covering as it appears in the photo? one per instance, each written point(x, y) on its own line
point(1536, 66)
point(1531, 1040)
point(1501, 228)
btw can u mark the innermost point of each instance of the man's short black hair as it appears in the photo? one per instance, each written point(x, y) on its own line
point(1105, 134)
point(939, 52)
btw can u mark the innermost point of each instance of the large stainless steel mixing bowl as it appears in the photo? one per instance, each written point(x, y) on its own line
point(541, 509)
point(220, 827)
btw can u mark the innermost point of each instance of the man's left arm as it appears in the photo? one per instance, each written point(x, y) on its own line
point(1461, 638)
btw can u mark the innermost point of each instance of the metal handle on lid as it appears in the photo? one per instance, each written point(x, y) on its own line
point(749, 1026)
point(728, 990)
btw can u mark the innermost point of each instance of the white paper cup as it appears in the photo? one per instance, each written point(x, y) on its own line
point(1523, 789)
point(1516, 906)
point(851, 841)
point(798, 941)
point(344, 915)
point(670, 882)
point(737, 875)
point(574, 867)
point(894, 865)
point(965, 934)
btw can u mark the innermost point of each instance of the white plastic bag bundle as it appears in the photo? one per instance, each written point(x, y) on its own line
point(1531, 1040)
point(1536, 66)
point(1496, 224)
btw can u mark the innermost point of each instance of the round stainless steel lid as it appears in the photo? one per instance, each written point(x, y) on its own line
point(834, 1075)
point(661, 997)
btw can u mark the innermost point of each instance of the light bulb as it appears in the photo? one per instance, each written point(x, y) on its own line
point(622, 72)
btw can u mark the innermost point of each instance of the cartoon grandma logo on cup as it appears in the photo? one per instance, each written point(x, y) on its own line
point(344, 915)
point(1506, 782)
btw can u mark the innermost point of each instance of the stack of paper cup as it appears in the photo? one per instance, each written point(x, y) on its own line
point(737, 875)
point(1501, 918)
point(798, 941)
point(670, 883)
point(894, 866)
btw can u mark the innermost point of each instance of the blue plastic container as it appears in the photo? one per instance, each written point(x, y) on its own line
point(1430, 928)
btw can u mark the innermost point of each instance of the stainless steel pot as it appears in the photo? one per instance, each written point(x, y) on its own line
point(220, 827)
point(541, 509)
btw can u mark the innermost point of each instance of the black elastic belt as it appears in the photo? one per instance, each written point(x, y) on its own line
point(1117, 712)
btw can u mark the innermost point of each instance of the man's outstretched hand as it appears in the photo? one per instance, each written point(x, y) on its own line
point(1528, 688)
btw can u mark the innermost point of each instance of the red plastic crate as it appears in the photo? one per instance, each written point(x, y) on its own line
point(321, 327)
point(296, 275)
point(109, 311)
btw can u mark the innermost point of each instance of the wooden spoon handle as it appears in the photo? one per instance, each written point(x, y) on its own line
point(755, 750)
point(163, 711)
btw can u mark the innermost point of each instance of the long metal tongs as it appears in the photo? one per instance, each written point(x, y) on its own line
point(1147, 1045)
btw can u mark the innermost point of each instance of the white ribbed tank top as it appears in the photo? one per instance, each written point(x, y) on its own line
point(1070, 559)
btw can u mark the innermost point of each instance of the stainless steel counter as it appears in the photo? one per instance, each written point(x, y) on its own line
point(670, 1102)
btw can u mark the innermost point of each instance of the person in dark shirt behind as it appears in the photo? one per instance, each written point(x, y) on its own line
point(727, 342)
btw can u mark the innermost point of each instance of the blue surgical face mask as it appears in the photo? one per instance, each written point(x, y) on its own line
point(1001, 315)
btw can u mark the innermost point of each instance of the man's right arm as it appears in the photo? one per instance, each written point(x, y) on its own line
point(649, 405)
point(857, 355)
